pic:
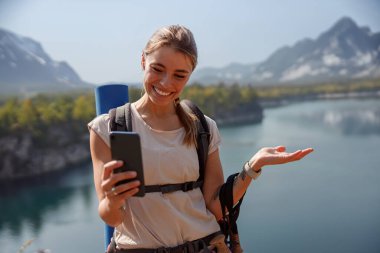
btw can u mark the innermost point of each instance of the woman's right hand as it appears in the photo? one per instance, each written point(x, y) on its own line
point(116, 195)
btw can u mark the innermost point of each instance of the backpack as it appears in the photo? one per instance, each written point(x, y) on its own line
point(120, 120)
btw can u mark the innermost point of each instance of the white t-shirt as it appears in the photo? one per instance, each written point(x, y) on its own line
point(158, 219)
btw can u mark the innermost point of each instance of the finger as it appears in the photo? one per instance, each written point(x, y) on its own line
point(280, 148)
point(121, 189)
point(110, 182)
point(294, 154)
point(128, 194)
point(305, 152)
point(127, 175)
point(308, 150)
point(298, 156)
point(127, 186)
point(302, 153)
point(289, 157)
point(209, 249)
point(111, 193)
point(109, 167)
point(106, 186)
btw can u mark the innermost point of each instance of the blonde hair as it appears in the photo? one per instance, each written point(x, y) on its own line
point(181, 39)
point(177, 37)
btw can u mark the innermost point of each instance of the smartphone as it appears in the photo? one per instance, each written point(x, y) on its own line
point(126, 146)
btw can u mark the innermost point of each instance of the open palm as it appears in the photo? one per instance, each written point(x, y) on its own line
point(277, 155)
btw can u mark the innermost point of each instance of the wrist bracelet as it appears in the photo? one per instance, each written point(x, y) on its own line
point(251, 172)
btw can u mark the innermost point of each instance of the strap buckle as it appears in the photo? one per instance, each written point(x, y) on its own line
point(188, 186)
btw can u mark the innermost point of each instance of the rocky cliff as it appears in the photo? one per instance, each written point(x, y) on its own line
point(25, 154)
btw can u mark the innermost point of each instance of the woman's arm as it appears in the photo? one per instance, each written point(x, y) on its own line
point(111, 198)
point(213, 179)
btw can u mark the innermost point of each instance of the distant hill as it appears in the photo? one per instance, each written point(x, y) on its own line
point(344, 52)
point(26, 68)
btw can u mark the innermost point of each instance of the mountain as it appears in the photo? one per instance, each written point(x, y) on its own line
point(344, 52)
point(26, 68)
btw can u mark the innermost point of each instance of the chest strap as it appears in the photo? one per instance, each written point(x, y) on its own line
point(167, 188)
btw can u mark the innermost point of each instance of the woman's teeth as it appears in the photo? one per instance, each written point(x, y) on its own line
point(160, 92)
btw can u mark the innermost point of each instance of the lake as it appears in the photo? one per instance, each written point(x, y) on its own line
point(328, 202)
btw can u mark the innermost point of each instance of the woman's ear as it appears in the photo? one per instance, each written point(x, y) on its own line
point(143, 61)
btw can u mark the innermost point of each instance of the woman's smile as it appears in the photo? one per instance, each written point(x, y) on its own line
point(161, 92)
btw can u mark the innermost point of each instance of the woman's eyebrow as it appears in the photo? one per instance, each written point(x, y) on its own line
point(157, 64)
point(182, 71)
point(177, 70)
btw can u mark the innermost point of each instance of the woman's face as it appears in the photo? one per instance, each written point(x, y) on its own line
point(166, 72)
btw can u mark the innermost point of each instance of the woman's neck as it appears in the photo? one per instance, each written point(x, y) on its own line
point(158, 117)
point(147, 108)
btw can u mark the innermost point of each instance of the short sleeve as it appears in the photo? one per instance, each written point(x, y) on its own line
point(215, 139)
point(100, 125)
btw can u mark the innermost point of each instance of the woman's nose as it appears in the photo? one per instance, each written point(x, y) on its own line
point(165, 80)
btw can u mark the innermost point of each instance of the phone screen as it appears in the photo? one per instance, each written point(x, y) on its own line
point(126, 146)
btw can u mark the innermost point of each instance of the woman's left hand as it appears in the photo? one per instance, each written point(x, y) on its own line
point(276, 155)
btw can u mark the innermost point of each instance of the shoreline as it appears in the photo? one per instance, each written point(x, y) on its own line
point(271, 103)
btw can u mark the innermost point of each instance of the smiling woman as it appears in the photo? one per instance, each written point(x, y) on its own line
point(169, 58)
point(183, 219)
point(166, 72)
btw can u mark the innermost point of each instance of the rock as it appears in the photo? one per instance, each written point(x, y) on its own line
point(24, 155)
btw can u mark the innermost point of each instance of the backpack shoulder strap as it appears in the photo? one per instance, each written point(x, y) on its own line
point(121, 118)
point(203, 138)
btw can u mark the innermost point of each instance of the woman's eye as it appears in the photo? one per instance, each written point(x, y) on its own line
point(157, 69)
point(180, 76)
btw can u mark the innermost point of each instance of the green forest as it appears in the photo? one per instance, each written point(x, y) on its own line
point(45, 110)
point(39, 112)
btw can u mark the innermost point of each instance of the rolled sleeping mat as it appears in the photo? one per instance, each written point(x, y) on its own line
point(107, 97)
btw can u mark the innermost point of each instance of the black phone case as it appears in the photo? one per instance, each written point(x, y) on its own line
point(126, 146)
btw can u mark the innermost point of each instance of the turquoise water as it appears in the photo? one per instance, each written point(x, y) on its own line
point(328, 202)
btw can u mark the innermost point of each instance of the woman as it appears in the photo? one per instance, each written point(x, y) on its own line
point(168, 139)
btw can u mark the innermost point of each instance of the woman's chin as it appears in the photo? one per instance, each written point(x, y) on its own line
point(161, 100)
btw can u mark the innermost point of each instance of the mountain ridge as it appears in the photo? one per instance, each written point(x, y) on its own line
point(343, 52)
point(26, 68)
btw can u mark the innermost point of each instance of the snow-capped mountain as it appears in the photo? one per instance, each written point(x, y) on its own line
point(344, 52)
point(25, 67)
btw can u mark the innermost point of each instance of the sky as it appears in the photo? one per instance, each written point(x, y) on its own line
point(103, 39)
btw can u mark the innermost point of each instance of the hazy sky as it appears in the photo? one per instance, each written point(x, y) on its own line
point(103, 39)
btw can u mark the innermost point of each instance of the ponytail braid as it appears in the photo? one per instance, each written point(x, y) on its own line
point(188, 120)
